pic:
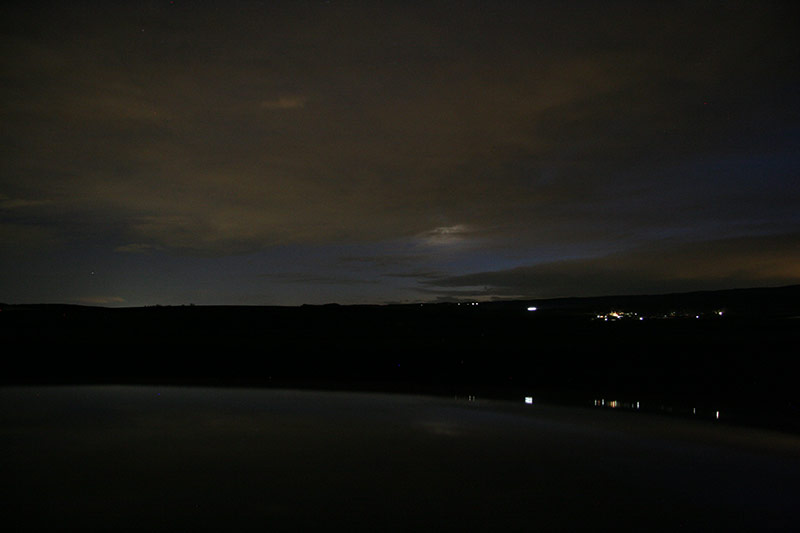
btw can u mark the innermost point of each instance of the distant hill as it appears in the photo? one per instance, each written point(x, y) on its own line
point(759, 301)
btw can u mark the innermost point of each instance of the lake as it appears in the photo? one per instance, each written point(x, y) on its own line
point(176, 458)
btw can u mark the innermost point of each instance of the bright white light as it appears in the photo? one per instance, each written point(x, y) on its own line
point(641, 318)
point(717, 415)
point(531, 309)
point(529, 399)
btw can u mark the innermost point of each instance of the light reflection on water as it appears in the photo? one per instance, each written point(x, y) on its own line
point(186, 459)
point(700, 413)
point(706, 413)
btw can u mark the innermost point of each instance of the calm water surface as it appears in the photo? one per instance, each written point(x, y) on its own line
point(171, 458)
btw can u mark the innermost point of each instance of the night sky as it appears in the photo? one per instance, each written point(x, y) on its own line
point(283, 153)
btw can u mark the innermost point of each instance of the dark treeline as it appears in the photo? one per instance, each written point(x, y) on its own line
point(737, 361)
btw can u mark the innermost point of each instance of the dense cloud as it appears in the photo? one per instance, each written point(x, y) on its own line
point(501, 129)
point(773, 260)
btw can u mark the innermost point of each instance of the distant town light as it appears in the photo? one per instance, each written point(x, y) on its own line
point(531, 309)
point(529, 399)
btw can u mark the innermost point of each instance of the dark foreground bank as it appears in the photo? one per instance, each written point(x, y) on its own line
point(176, 459)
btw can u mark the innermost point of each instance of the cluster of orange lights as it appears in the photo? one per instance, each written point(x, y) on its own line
point(618, 315)
point(614, 404)
point(628, 315)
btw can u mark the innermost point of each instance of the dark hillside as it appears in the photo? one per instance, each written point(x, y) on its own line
point(673, 349)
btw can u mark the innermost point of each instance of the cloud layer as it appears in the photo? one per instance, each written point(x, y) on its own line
point(724, 264)
point(498, 129)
